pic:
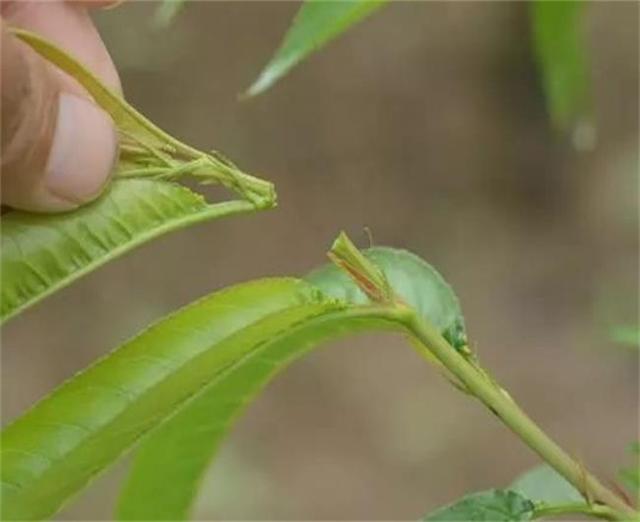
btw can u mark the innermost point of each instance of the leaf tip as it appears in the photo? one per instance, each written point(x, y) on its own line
point(264, 81)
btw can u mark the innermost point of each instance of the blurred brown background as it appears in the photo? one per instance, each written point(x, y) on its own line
point(427, 124)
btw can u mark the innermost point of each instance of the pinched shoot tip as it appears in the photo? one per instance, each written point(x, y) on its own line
point(369, 278)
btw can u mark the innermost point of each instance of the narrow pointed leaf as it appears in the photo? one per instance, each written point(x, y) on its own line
point(168, 468)
point(188, 376)
point(54, 449)
point(316, 24)
point(126, 118)
point(166, 471)
point(488, 506)
point(559, 45)
point(143, 144)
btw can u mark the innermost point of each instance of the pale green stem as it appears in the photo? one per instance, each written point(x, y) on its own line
point(499, 402)
point(591, 510)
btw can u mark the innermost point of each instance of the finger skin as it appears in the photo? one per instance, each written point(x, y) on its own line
point(28, 116)
point(32, 91)
point(69, 26)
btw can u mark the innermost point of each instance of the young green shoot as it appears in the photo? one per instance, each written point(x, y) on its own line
point(478, 382)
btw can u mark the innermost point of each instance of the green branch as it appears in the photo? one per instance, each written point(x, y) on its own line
point(500, 403)
point(474, 379)
point(591, 510)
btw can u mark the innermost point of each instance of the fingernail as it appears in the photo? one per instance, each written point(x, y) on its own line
point(83, 151)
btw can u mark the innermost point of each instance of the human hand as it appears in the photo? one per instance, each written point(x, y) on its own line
point(58, 147)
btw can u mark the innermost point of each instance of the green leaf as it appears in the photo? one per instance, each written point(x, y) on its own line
point(630, 476)
point(544, 484)
point(165, 488)
point(559, 48)
point(316, 24)
point(491, 506)
point(418, 284)
point(44, 253)
point(55, 448)
point(188, 376)
point(145, 149)
point(168, 467)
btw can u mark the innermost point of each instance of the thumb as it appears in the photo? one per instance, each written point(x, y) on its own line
point(58, 148)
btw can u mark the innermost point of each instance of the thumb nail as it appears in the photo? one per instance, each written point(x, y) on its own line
point(83, 151)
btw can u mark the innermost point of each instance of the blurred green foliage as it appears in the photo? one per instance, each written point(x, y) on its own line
point(630, 476)
point(559, 48)
point(166, 12)
point(628, 335)
point(316, 23)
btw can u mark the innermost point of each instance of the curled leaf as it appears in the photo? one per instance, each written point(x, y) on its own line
point(40, 254)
